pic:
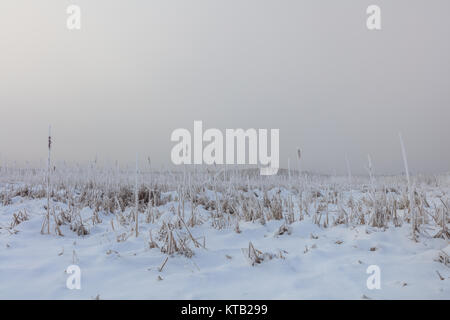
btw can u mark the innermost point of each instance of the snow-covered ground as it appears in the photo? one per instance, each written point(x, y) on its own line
point(307, 261)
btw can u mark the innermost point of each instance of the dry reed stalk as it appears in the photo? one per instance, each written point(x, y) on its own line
point(163, 264)
point(443, 233)
point(136, 198)
point(410, 193)
point(253, 255)
point(196, 243)
point(46, 223)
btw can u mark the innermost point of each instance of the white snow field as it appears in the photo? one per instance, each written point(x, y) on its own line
point(246, 238)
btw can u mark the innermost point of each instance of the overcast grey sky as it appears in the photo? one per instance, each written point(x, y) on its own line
point(139, 69)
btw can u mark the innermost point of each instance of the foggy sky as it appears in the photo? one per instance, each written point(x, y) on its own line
point(137, 70)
